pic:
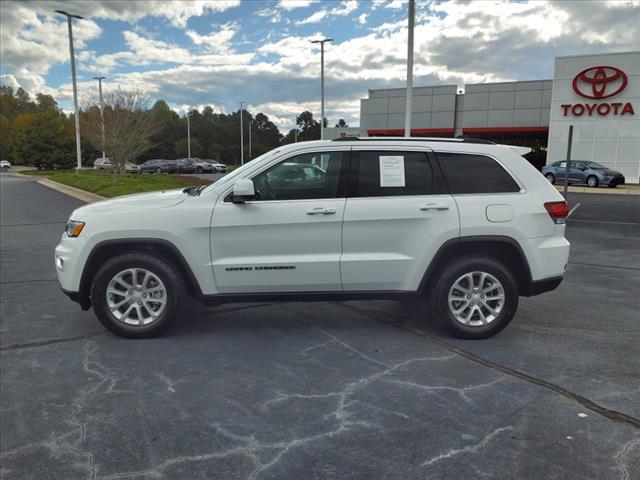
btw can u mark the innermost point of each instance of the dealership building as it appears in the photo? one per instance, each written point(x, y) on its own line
point(598, 94)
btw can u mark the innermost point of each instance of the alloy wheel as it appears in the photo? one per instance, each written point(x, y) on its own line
point(136, 296)
point(476, 299)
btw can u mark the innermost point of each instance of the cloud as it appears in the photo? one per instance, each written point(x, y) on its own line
point(218, 42)
point(291, 4)
point(455, 43)
point(362, 19)
point(345, 8)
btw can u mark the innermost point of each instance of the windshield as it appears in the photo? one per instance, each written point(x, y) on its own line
point(239, 170)
point(595, 166)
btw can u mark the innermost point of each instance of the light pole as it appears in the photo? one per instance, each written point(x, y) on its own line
point(101, 111)
point(75, 88)
point(322, 42)
point(249, 136)
point(408, 111)
point(188, 135)
point(242, 104)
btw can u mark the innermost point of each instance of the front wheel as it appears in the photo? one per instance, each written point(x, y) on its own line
point(476, 297)
point(199, 170)
point(158, 170)
point(137, 294)
point(550, 177)
point(592, 181)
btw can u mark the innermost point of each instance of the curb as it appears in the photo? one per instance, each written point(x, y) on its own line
point(83, 195)
point(601, 190)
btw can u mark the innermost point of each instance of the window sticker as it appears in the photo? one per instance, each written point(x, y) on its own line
point(392, 171)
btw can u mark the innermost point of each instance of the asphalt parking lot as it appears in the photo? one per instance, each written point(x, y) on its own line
point(322, 390)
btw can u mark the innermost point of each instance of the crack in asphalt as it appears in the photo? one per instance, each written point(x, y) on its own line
point(583, 264)
point(582, 400)
point(53, 341)
point(21, 282)
point(31, 224)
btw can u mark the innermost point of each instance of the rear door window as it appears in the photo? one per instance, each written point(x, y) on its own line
point(472, 173)
point(390, 173)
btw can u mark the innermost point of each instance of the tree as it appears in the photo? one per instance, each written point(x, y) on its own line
point(309, 128)
point(128, 125)
point(341, 123)
point(41, 140)
point(182, 148)
point(5, 136)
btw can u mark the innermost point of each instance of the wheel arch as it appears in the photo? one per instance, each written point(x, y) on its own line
point(504, 249)
point(107, 248)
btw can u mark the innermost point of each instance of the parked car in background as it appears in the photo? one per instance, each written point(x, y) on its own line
point(219, 167)
point(106, 165)
point(158, 166)
point(186, 165)
point(103, 165)
point(592, 174)
point(204, 166)
point(5, 164)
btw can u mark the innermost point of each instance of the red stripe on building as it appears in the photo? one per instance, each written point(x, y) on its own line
point(414, 131)
point(506, 130)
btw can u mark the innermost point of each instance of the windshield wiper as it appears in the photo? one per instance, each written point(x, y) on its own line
point(194, 190)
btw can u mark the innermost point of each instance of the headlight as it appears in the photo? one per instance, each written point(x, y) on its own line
point(74, 228)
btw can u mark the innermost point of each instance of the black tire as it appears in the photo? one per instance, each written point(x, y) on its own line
point(551, 177)
point(158, 170)
point(199, 170)
point(450, 274)
point(595, 179)
point(102, 169)
point(163, 269)
point(612, 185)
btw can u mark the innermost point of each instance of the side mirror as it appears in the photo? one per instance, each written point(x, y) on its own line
point(243, 191)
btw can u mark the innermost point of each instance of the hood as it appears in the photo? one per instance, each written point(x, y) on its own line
point(134, 202)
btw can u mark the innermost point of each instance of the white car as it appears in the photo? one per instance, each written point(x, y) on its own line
point(469, 224)
point(5, 164)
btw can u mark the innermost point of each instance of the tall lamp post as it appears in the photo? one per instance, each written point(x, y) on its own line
point(75, 88)
point(188, 135)
point(242, 104)
point(322, 42)
point(407, 117)
point(101, 112)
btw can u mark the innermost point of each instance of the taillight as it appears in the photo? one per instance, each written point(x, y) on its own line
point(558, 211)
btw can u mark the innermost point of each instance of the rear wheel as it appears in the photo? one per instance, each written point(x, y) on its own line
point(158, 170)
point(102, 169)
point(592, 181)
point(137, 294)
point(476, 297)
point(551, 177)
point(199, 170)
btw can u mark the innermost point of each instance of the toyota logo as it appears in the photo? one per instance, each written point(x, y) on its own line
point(600, 82)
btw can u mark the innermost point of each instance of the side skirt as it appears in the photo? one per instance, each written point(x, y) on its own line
point(222, 298)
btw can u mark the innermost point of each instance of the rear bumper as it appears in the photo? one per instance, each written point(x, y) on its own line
point(546, 285)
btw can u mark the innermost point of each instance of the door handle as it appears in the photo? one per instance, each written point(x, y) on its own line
point(321, 211)
point(434, 206)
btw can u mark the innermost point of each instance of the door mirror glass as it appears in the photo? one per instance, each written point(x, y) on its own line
point(243, 190)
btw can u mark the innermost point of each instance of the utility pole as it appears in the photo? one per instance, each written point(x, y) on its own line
point(249, 137)
point(408, 111)
point(322, 42)
point(75, 88)
point(101, 112)
point(188, 135)
point(242, 104)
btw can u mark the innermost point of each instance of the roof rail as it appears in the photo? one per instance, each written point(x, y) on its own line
point(415, 139)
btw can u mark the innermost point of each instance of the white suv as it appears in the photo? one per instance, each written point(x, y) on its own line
point(467, 223)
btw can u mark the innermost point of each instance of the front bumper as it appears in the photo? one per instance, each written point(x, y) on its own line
point(615, 181)
point(83, 300)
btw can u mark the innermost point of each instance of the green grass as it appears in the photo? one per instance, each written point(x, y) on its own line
point(102, 183)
